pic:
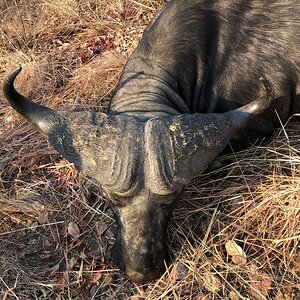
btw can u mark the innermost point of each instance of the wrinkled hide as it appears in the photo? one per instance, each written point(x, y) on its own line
point(205, 73)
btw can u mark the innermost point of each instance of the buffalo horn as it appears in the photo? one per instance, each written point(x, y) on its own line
point(193, 141)
point(42, 117)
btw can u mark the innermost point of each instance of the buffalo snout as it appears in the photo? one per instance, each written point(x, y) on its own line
point(139, 267)
point(140, 247)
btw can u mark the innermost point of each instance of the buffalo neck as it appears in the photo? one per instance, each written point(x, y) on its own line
point(147, 91)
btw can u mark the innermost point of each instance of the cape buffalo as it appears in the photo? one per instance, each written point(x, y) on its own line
point(192, 86)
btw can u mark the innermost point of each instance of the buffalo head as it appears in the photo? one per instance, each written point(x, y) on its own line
point(142, 165)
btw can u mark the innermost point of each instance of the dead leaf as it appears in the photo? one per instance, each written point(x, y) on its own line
point(237, 254)
point(61, 280)
point(83, 255)
point(181, 271)
point(73, 230)
point(50, 272)
point(75, 244)
point(34, 225)
point(72, 262)
point(42, 211)
point(47, 243)
point(260, 283)
point(93, 278)
point(178, 272)
point(92, 256)
point(211, 282)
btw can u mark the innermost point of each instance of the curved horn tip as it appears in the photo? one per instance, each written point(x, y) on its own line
point(12, 76)
point(8, 83)
point(268, 87)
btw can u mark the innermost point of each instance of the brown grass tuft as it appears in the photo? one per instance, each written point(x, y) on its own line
point(235, 233)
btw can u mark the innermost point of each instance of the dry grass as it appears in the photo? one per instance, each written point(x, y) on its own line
point(234, 235)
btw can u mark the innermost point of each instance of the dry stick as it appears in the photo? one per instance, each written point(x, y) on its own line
point(31, 228)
